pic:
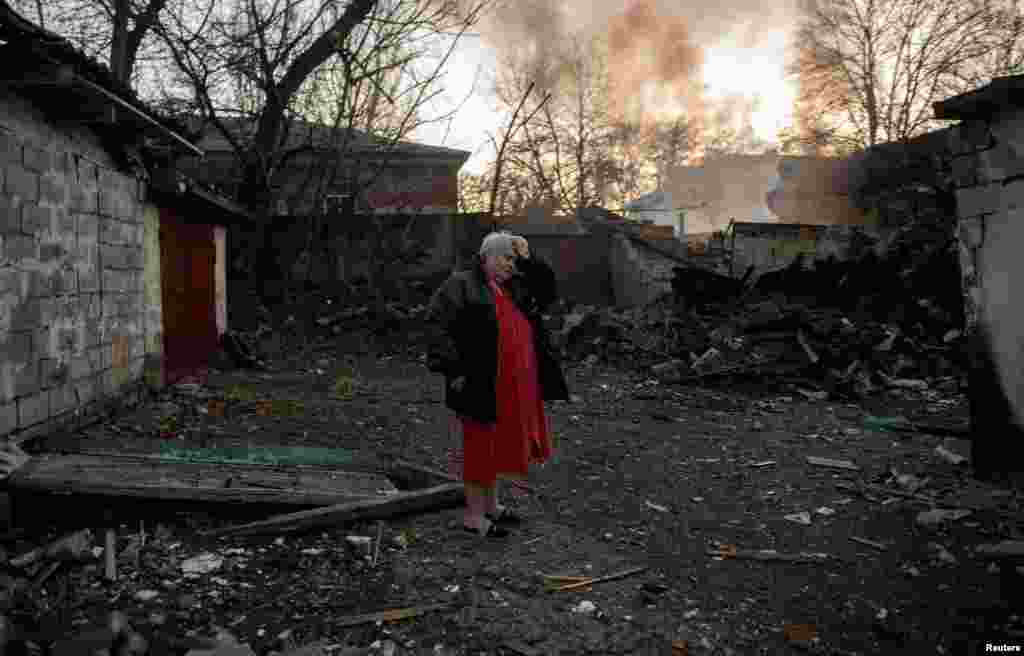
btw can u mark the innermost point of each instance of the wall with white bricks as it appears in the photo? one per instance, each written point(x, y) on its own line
point(71, 279)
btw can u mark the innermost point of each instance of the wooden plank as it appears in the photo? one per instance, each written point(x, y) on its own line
point(152, 478)
point(834, 464)
point(414, 476)
point(391, 615)
point(601, 579)
point(440, 497)
point(360, 462)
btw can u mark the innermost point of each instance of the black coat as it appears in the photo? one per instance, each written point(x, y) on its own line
point(464, 339)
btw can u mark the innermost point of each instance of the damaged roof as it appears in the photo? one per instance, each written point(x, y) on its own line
point(26, 48)
point(79, 84)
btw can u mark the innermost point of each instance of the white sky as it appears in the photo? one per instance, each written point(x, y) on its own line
point(472, 61)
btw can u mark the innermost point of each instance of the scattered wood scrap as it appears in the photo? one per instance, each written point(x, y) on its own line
point(834, 464)
point(1005, 550)
point(412, 476)
point(601, 579)
point(904, 425)
point(730, 552)
point(801, 338)
point(110, 554)
point(864, 488)
point(391, 615)
point(767, 368)
point(76, 546)
point(553, 582)
point(439, 497)
point(869, 543)
point(12, 458)
point(522, 648)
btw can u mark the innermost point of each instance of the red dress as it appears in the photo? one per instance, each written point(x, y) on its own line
point(520, 436)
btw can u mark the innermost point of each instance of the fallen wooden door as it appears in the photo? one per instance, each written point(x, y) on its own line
point(150, 477)
point(187, 260)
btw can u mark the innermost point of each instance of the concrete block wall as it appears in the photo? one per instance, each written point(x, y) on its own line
point(71, 304)
point(988, 162)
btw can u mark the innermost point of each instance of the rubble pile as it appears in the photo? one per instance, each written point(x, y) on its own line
point(846, 328)
point(384, 316)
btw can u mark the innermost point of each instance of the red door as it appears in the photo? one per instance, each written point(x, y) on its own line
point(187, 258)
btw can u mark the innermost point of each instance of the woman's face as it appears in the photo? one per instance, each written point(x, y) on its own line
point(501, 267)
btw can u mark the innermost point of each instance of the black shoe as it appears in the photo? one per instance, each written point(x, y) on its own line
point(506, 518)
point(493, 531)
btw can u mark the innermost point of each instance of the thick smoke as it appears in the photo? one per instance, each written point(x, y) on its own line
point(653, 61)
point(655, 46)
point(655, 49)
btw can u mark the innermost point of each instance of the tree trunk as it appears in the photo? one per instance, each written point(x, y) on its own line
point(255, 190)
point(119, 41)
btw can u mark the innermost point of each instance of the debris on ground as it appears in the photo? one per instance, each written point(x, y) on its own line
point(949, 456)
point(939, 516)
point(439, 497)
point(76, 546)
point(830, 462)
point(800, 632)
point(600, 579)
point(731, 552)
point(869, 543)
point(552, 583)
point(1009, 549)
point(12, 458)
point(390, 615)
point(822, 353)
point(203, 563)
point(362, 544)
point(585, 608)
point(819, 321)
point(803, 517)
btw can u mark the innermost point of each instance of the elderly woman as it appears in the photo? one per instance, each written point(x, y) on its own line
point(499, 368)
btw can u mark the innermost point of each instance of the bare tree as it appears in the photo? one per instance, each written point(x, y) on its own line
point(582, 148)
point(473, 192)
point(374, 95)
point(276, 49)
point(561, 157)
point(869, 70)
point(668, 144)
point(727, 128)
point(114, 31)
point(367, 68)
